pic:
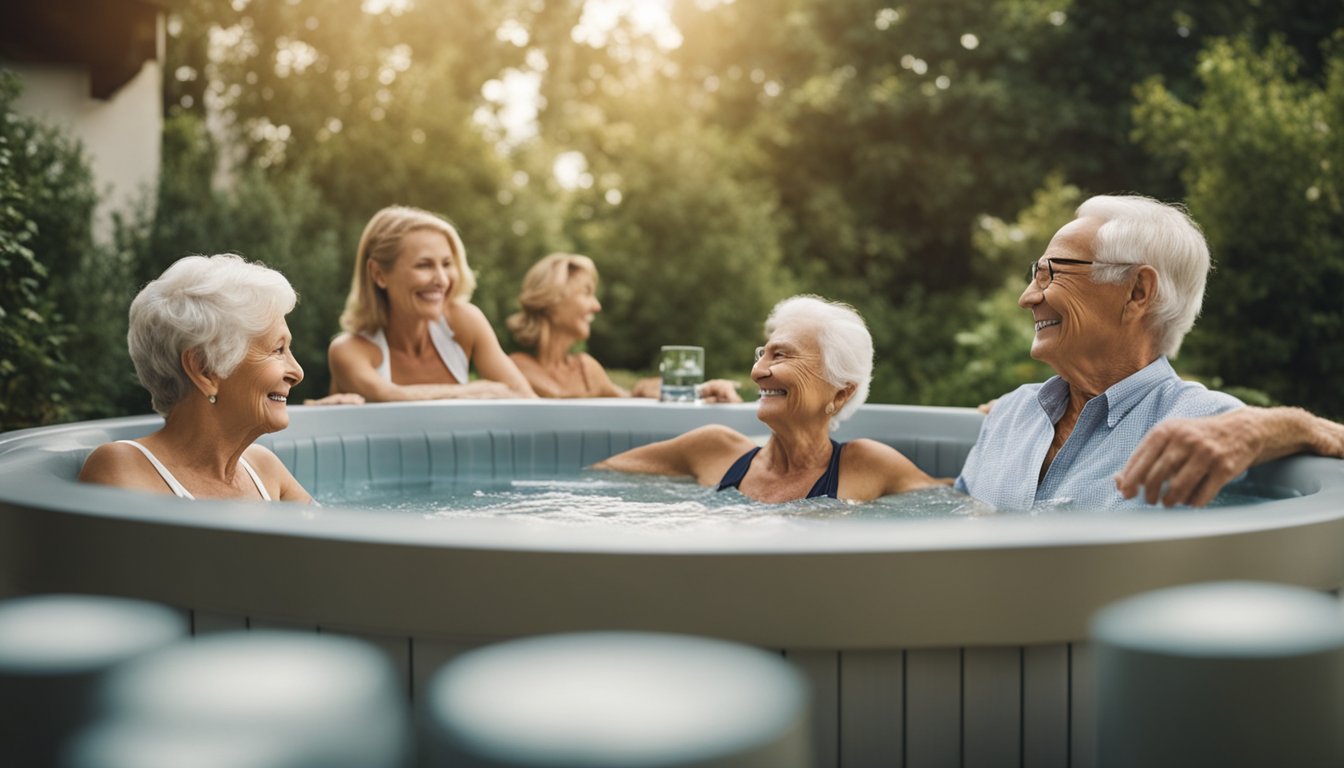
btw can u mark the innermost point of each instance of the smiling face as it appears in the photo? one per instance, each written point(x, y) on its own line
point(789, 375)
point(256, 392)
point(1077, 321)
point(422, 276)
point(573, 314)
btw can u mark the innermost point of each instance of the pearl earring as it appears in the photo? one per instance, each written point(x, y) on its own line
point(211, 399)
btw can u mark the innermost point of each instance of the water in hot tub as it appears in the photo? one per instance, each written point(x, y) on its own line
point(659, 502)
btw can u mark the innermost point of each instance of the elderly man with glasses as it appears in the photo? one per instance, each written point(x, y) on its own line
point(1112, 297)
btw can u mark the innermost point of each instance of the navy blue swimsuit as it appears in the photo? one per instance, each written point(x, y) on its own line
point(827, 485)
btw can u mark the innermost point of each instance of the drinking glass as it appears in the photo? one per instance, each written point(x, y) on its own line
point(683, 370)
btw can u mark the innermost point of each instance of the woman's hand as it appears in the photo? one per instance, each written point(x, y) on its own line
point(340, 398)
point(718, 391)
point(651, 386)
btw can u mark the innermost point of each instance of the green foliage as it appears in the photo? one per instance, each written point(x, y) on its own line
point(39, 171)
point(688, 254)
point(1263, 158)
point(865, 151)
point(992, 353)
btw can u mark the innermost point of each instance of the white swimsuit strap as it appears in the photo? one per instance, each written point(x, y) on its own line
point(255, 479)
point(379, 340)
point(177, 488)
point(452, 354)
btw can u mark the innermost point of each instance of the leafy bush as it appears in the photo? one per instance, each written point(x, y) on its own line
point(1263, 157)
point(46, 200)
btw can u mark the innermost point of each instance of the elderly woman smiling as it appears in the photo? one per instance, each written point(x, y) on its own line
point(813, 373)
point(558, 303)
point(1111, 298)
point(210, 343)
point(411, 331)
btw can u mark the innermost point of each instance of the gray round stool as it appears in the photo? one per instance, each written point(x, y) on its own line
point(1221, 674)
point(628, 699)
point(261, 699)
point(53, 651)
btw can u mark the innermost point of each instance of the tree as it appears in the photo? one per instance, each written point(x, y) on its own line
point(1262, 154)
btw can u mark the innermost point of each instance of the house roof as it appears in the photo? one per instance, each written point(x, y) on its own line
point(113, 38)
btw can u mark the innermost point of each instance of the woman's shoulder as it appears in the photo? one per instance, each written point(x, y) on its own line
point(119, 464)
point(348, 341)
point(719, 436)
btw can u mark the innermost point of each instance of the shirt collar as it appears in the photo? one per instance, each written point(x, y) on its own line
point(1121, 397)
point(1131, 390)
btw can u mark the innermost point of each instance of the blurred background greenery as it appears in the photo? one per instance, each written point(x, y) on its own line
point(713, 157)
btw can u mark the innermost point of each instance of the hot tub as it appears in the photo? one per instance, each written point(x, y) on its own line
point(925, 640)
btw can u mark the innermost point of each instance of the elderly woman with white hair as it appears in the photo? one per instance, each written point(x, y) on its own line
point(1112, 297)
point(813, 373)
point(556, 310)
point(209, 341)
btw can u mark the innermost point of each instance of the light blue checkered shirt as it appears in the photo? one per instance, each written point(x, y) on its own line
point(1003, 466)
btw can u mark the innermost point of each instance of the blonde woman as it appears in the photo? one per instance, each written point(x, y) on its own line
point(411, 332)
point(559, 302)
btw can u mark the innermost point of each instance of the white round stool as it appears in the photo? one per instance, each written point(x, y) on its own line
point(260, 699)
point(1221, 674)
point(53, 651)
point(629, 699)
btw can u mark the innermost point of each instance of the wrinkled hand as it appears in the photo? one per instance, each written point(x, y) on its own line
point(1195, 458)
point(718, 391)
point(649, 386)
point(340, 398)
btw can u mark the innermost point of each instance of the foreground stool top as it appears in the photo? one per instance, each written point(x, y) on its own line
point(75, 634)
point(1227, 618)
point(620, 699)
point(333, 701)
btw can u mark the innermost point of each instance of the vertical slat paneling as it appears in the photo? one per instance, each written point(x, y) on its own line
point(442, 456)
point(355, 450)
point(1045, 706)
point(385, 460)
point(596, 447)
point(933, 708)
point(280, 625)
point(872, 717)
point(501, 442)
point(330, 465)
point(475, 456)
point(570, 448)
point(992, 712)
point(414, 459)
point(1082, 706)
point(305, 463)
point(821, 669)
point(207, 622)
point(545, 455)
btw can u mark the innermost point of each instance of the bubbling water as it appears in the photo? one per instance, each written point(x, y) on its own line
point(643, 501)
point(660, 503)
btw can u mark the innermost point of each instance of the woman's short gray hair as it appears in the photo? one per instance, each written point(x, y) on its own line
point(213, 305)
point(1140, 230)
point(844, 341)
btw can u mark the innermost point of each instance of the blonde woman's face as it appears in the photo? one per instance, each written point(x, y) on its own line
point(575, 311)
point(421, 278)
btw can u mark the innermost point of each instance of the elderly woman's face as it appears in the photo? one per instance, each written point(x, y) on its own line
point(256, 392)
point(1076, 320)
point(788, 374)
point(421, 277)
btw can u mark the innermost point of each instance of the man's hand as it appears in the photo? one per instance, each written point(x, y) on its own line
point(1192, 458)
point(1195, 458)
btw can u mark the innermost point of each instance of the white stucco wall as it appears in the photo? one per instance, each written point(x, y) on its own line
point(122, 135)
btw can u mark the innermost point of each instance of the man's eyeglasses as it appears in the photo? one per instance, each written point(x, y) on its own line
point(1044, 275)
